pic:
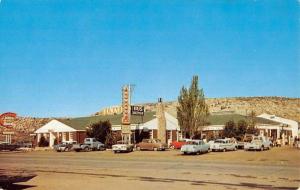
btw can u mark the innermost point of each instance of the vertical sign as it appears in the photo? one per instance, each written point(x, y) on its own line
point(126, 109)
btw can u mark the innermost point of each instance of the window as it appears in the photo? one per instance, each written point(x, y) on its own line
point(169, 134)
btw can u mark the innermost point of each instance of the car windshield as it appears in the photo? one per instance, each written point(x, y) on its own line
point(120, 142)
point(192, 142)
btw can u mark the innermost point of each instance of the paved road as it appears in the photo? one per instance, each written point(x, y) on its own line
point(73, 170)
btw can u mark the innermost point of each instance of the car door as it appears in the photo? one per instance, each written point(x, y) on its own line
point(147, 145)
point(200, 146)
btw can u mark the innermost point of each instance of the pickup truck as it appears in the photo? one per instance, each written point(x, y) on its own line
point(258, 143)
point(89, 144)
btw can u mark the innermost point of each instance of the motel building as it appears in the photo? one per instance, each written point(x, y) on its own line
point(146, 127)
point(276, 128)
point(142, 127)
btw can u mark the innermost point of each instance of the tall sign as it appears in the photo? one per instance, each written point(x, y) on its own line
point(126, 109)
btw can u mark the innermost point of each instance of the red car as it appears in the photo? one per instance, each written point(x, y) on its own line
point(178, 144)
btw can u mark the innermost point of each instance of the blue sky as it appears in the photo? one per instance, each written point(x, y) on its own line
point(71, 57)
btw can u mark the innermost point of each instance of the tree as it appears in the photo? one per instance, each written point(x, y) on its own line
point(251, 129)
point(230, 129)
point(100, 130)
point(241, 129)
point(192, 111)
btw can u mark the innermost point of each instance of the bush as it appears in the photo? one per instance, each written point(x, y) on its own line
point(43, 142)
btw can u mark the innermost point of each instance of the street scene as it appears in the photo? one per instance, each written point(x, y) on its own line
point(147, 169)
point(126, 94)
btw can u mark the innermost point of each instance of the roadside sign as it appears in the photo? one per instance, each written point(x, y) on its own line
point(7, 119)
point(126, 105)
point(126, 129)
point(137, 110)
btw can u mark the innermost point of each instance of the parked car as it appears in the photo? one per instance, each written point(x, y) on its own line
point(179, 144)
point(8, 147)
point(65, 146)
point(24, 144)
point(224, 145)
point(121, 146)
point(247, 138)
point(258, 143)
point(89, 144)
point(195, 147)
point(211, 143)
point(151, 144)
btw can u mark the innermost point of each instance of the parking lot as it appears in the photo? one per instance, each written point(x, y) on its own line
point(278, 168)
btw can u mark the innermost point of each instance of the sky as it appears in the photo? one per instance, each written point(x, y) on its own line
point(68, 58)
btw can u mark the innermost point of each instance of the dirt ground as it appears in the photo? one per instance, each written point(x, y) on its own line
point(278, 168)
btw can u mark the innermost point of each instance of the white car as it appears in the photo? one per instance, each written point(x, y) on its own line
point(258, 143)
point(122, 147)
point(195, 147)
point(223, 145)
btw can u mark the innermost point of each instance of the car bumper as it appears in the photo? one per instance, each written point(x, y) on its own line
point(252, 148)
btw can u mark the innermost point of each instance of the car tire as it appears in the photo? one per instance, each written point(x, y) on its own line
point(224, 150)
point(234, 149)
point(86, 149)
point(262, 148)
point(172, 147)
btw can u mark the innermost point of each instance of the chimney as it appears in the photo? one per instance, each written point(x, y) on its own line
point(160, 114)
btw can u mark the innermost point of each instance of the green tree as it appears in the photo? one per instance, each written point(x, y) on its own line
point(100, 130)
point(192, 111)
point(241, 129)
point(230, 129)
point(251, 129)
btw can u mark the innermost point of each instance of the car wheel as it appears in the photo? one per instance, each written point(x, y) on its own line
point(66, 149)
point(234, 149)
point(184, 153)
point(172, 147)
point(224, 150)
point(261, 148)
point(86, 149)
point(155, 149)
point(138, 148)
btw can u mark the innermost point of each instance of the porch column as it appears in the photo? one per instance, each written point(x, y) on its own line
point(63, 136)
point(70, 136)
point(51, 139)
point(38, 138)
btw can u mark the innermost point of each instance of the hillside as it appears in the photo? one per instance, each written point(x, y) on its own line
point(280, 106)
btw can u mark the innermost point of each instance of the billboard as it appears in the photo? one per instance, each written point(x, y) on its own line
point(7, 119)
point(137, 110)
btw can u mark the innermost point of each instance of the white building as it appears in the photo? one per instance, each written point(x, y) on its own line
point(291, 127)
